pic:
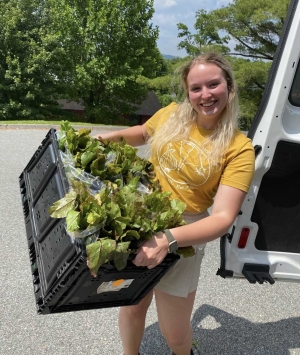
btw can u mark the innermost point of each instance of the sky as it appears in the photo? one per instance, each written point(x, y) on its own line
point(168, 13)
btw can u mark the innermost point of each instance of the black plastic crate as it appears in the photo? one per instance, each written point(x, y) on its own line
point(61, 279)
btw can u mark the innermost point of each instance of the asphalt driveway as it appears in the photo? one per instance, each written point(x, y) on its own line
point(231, 317)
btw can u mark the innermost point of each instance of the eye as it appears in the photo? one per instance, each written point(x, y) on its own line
point(214, 84)
point(195, 89)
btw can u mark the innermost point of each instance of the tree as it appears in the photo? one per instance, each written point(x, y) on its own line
point(251, 77)
point(167, 83)
point(106, 46)
point(253, 25)
point(206, 35)
point(84, 50)
point(28, 89)
point(253, 28)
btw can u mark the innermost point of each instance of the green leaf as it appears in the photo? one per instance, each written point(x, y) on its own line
point(113, 169)
point(80, 188)
point(72, 140)
point(98, 166)
point(61, 207)
point(66, 126)
point(178, 205)
point(82, 132)
point(98, 253)
point(186, 251)
point(113, 211)
point(121, 255)
point(83, 142)
point(94, 218)
point(118, 227)
point(73, 220)
point(131, 233)
point(133, 183)
point(87, 157)
point(92, 212)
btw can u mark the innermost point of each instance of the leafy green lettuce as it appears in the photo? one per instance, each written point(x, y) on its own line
point(121, 214)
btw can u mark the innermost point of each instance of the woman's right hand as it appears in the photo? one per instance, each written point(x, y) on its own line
point(153, 251)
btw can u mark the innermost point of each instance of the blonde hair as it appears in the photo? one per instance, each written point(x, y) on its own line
point(184, 117)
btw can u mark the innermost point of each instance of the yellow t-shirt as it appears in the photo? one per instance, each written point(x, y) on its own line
point(184, 168)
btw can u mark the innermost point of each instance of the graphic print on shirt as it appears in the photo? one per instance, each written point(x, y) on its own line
point(185, 164)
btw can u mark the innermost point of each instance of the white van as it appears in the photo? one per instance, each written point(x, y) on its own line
point(264, 242)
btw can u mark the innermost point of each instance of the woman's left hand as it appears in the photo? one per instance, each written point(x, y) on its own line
point(153, 251)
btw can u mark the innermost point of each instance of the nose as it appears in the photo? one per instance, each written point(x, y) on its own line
point(205, 93)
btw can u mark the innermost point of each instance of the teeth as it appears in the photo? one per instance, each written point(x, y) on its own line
point(208, 105)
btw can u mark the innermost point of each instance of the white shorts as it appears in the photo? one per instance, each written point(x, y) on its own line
point(183, 277)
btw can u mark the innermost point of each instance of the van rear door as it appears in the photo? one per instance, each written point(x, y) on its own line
point(264, 243)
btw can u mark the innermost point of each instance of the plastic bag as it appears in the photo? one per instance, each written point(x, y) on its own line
point(93, 183)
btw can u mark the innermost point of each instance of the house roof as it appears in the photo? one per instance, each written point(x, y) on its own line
point(70, 105)
point(150, 105)
point(147, 108)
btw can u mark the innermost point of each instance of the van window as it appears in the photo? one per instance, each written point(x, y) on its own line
point(294, 96)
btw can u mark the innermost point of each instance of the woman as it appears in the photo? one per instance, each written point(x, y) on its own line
point(201, 157)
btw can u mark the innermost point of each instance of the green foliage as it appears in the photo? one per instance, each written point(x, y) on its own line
point(83, 50)
point(167, 87)
point(107, 160)
point(28, 87)
point(166, 99)
point(206, 35)
point(107, 45)
point(254, 26)
point(251, 77)
point(125, 212)
point(161, 85)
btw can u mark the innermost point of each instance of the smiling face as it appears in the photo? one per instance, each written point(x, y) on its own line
point(208, 93)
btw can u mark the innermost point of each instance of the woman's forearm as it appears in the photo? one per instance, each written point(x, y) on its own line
point(134, 136)
point(203, 231)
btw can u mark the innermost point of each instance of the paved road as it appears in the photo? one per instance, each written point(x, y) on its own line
point(231, 317)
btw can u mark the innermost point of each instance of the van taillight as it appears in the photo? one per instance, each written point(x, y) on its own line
point(243, 238)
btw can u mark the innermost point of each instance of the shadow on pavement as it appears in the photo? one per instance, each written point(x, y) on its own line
point(217, 332)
